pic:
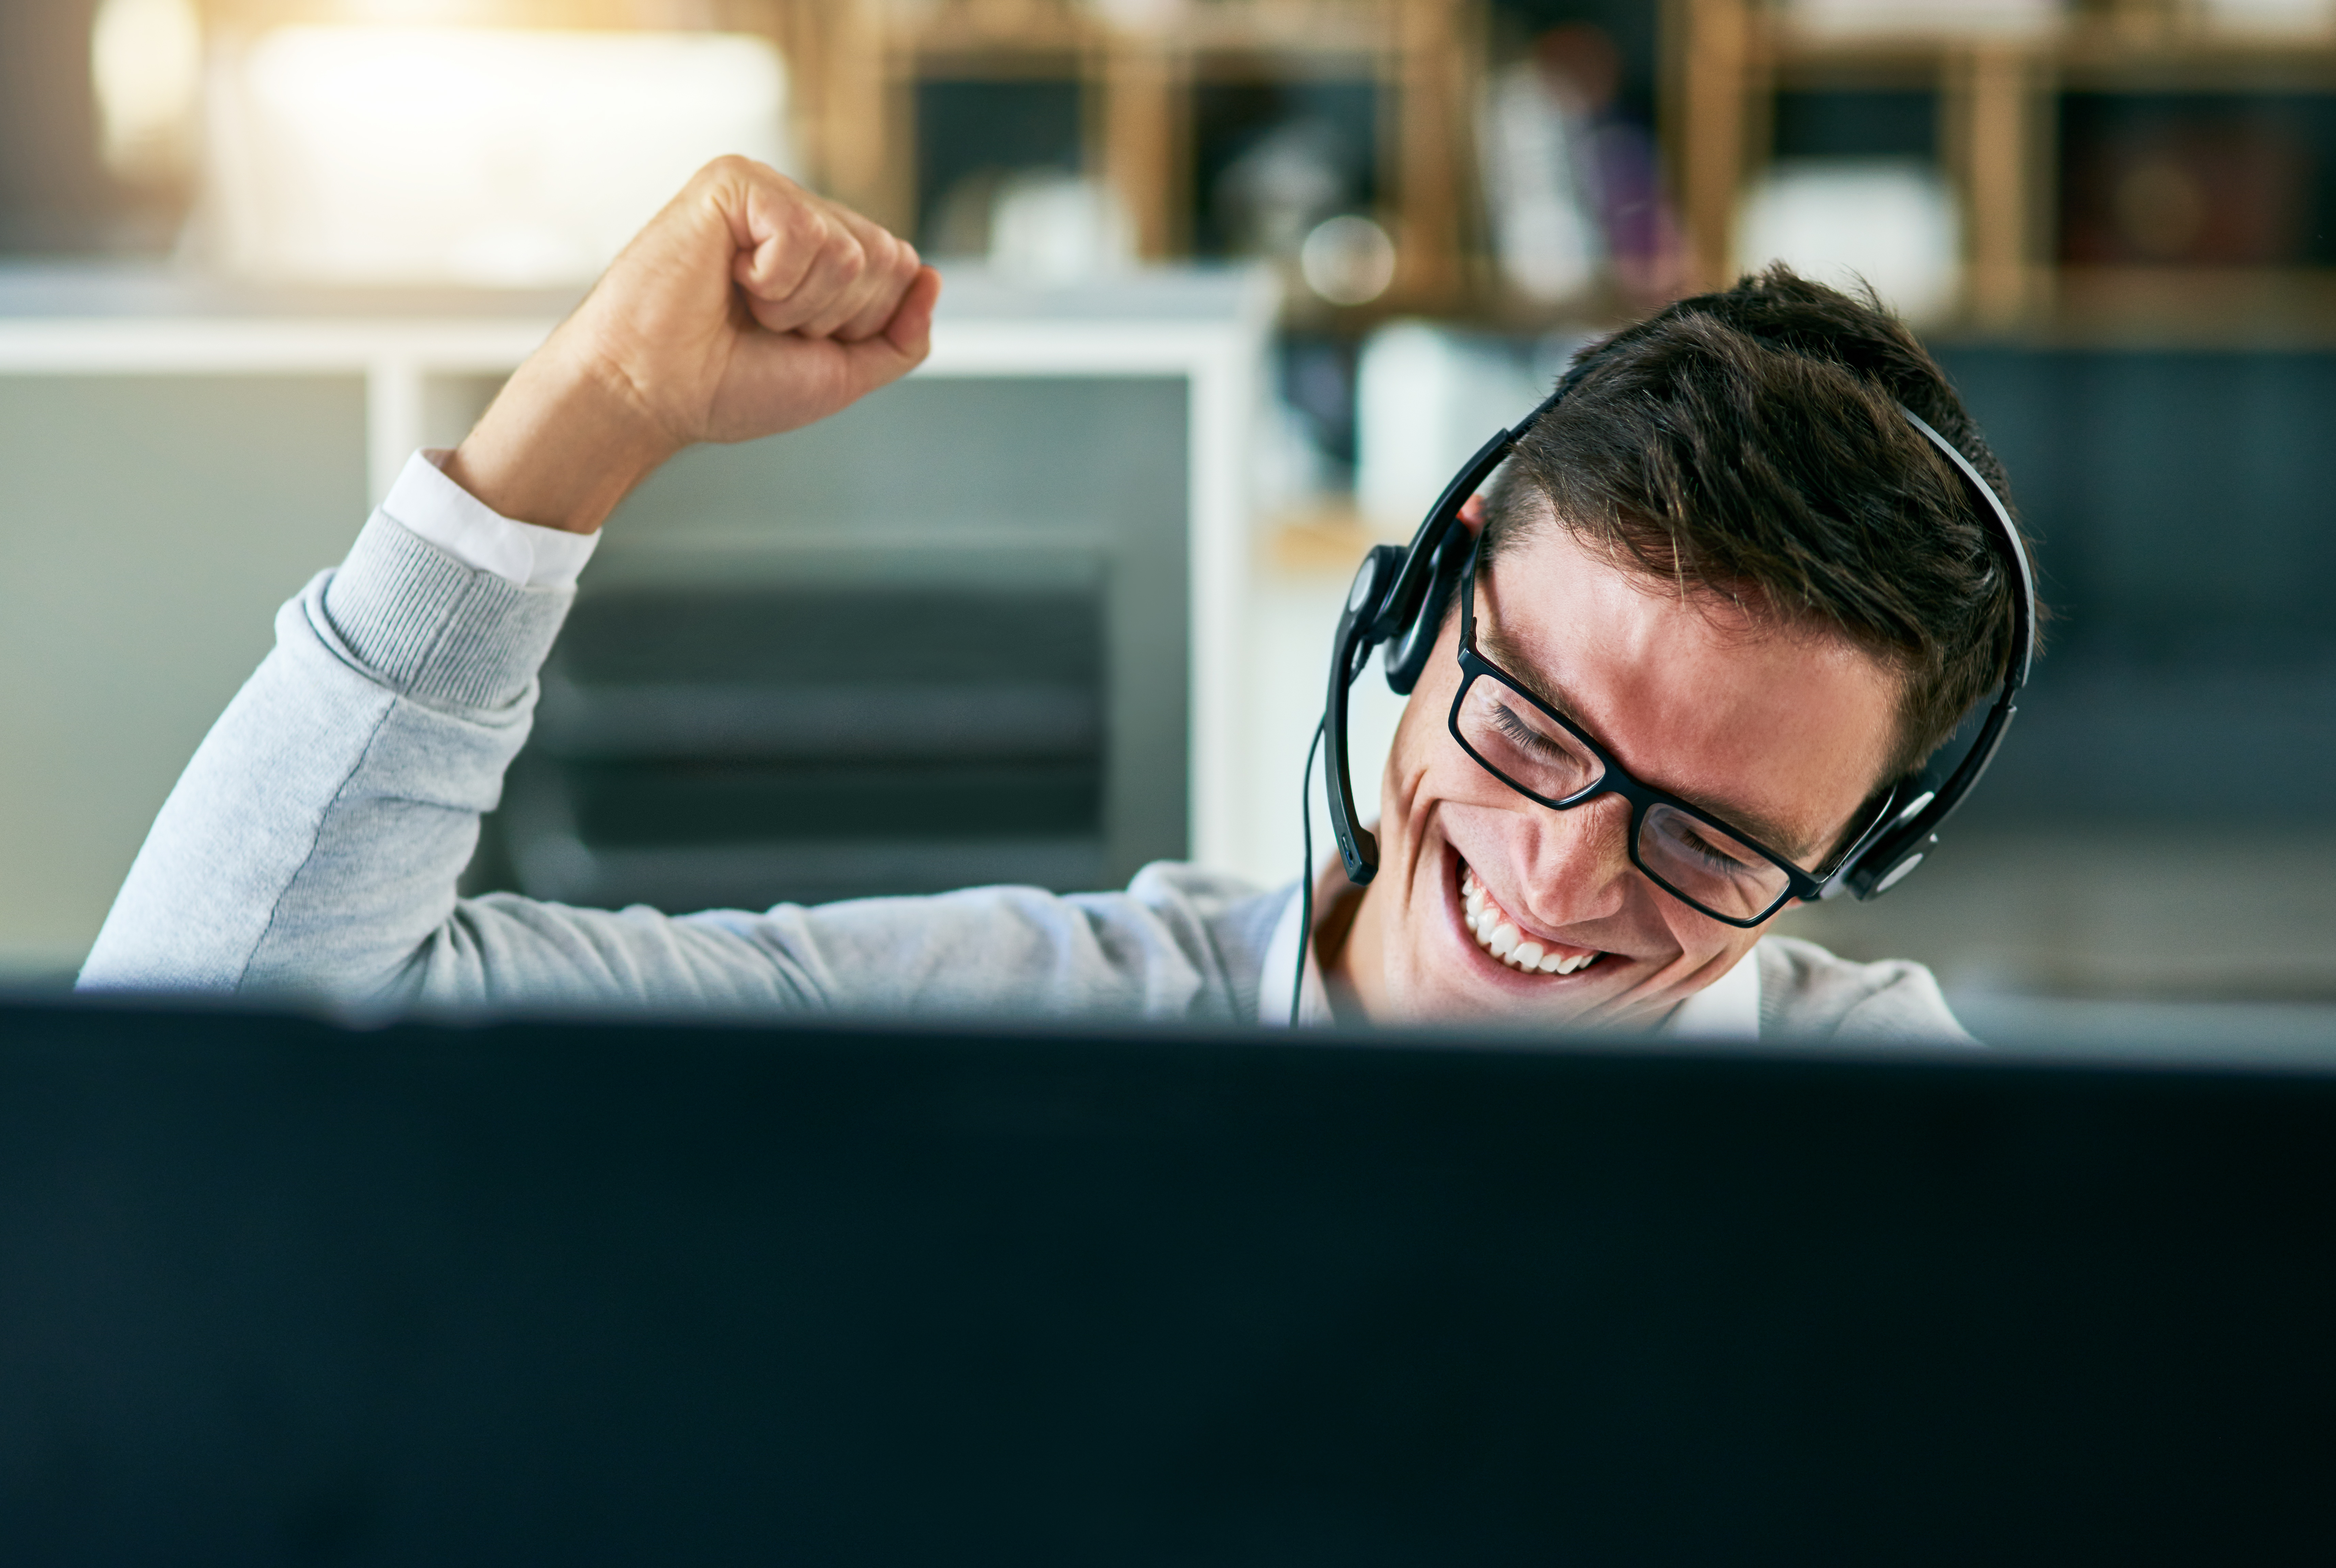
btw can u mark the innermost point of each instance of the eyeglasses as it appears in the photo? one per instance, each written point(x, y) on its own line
point(1544, 756)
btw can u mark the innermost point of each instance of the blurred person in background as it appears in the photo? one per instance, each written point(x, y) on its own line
point(1725, 556)
point(1575, 189)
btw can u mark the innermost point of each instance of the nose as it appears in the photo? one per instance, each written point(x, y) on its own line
point(1576, 864)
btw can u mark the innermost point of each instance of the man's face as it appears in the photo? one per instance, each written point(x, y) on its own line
point(1777, 730)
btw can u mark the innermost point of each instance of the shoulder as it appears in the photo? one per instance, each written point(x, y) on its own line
point(1233, 916)
point(1181, 886)
point(1810, 993)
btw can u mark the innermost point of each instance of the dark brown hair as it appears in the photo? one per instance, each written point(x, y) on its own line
point(1750, 444)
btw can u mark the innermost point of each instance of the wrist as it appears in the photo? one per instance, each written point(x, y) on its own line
point(561, 445)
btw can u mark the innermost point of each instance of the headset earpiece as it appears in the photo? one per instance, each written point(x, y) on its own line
point(1375, 579)
point(1406, 657)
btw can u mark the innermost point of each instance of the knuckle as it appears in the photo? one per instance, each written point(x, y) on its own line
point(729, 166)
point(808, 229)
point(739, 166)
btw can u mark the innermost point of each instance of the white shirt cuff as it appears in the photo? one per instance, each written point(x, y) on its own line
point(426, 503)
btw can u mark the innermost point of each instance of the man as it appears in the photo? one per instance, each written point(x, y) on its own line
point(1725, 556)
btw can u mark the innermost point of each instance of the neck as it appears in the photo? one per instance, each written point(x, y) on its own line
point(1349, 945)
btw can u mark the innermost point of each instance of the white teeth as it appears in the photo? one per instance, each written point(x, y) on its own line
point(1498, 935)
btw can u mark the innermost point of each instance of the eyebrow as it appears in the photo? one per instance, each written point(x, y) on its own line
point(1512, 663)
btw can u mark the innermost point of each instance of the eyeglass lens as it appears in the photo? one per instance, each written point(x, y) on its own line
point(1524, 745)
point(1699, 861)
point(1706, 866)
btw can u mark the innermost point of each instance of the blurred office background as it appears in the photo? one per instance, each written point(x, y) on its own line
point(1237, 284)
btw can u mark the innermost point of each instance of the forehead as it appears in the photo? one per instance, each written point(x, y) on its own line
point(1782, 729)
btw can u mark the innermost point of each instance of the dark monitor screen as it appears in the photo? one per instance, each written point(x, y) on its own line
point(275, 1291)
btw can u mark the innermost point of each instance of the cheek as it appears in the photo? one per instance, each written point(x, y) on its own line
point(1423, 744)
point(1414, 750)
point(1706, 941)
point(1427, 770)
point(1414, 742)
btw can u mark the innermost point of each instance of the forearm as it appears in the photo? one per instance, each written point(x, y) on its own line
point(564, 441)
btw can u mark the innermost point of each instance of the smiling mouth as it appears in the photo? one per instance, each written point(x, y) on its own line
point(1498, 935)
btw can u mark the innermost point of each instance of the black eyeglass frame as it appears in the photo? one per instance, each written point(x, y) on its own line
point(1613, 778)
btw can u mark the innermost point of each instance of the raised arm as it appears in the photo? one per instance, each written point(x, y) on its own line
point(314, 840)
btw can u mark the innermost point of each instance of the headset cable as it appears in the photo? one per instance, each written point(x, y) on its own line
point(1305, 872)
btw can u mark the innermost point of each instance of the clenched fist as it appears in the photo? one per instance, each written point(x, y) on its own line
point(748, 306)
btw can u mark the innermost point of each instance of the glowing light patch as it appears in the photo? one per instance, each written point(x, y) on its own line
point(457, 155)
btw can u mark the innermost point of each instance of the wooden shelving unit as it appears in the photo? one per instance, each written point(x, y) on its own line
point(1137, 66)
point(1729, 59)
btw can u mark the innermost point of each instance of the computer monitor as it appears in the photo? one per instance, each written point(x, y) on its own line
point(275, 1291)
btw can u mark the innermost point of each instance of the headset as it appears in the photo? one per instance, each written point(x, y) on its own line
point(1398, 599)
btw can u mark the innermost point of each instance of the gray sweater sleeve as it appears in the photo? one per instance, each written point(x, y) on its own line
point(1809, 994)
point(313, 844)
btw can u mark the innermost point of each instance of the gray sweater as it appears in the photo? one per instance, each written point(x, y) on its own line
point(313, 846)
